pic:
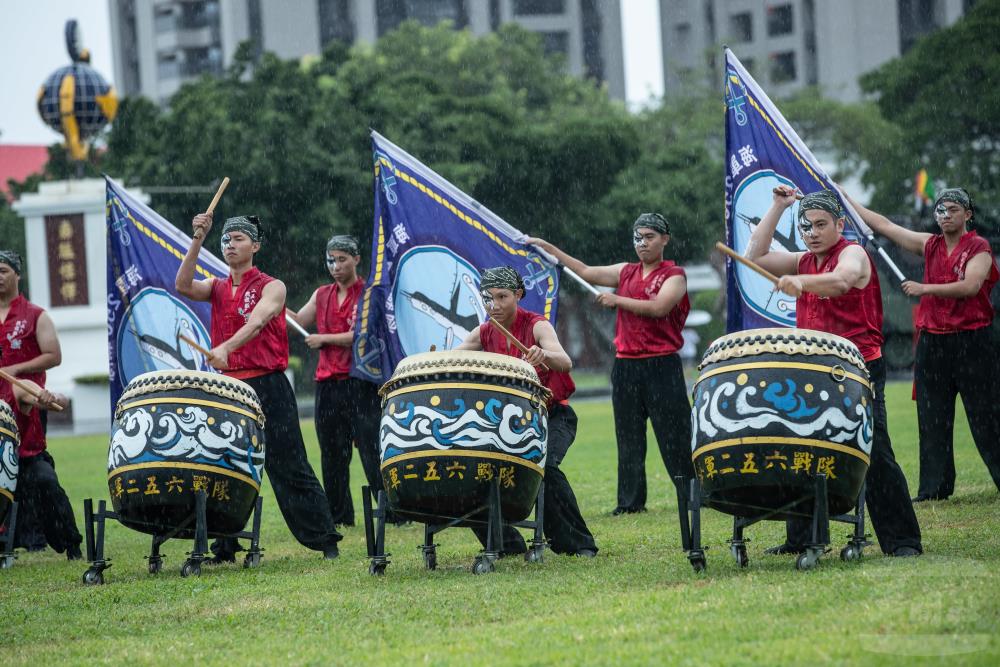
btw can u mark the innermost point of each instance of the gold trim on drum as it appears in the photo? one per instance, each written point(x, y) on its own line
point(462, 361)
point(209, 383)
point(459, 385)
point(5, 492)
point(189, 466)
point(463, 453)
point(192, 401)
point(781, 341)
point(789, 364)
point(13, 435)
point(768, 440)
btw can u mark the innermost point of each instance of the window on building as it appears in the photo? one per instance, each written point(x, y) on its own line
point(532, 7)
point(783, 67)
point(555, 42)
point(168, 66)
point(592, 32)
point(751, 66)
point(335, 21)
point(390, 13)
point(916, 19)
point(164, 19)
point(741, 27)
point(682, 37)
point(779, 20)
point(256, 24)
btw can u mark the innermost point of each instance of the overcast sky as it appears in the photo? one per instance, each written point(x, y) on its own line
point(32, 46)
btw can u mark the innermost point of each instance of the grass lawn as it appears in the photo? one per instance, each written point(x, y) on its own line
point(638, 602)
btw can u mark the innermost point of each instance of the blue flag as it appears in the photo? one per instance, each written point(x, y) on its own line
point(762, 152)
point(146, 316)
point(429, 244)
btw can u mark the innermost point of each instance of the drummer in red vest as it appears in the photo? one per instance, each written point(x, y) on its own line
point(838, 292)
point(502, 287)
point(250, 344)
point(955, 354)
point(347, 409)
point(647, 379)
point(29, 348)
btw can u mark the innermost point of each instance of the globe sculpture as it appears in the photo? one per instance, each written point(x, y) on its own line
point(75, 100)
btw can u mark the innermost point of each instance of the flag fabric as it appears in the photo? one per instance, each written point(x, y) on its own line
point(923, 190)
point(429, 244)
point(762, 152)
point(146, 315)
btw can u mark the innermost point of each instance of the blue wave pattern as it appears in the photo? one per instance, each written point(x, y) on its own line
point(725, 409)
point(496, 426)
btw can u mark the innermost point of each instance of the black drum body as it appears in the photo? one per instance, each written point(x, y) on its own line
point(774, 407)
point(455, 422)
point(179, 432)
point(9, 443)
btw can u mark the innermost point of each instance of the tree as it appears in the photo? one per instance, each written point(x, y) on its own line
point(941, 95)
point(492, 114)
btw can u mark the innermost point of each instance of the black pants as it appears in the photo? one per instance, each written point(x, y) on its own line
point(30, 535)
point(38, 488)
point(347, 411)
point(299, 494)
point(564, 526)
point(649, 389)
point(887, 495)
point(947, 365)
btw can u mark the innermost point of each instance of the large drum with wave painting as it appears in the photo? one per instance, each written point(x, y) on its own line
point(773, 408)
point(179, 432)
point(453, 423)
point(8, 459)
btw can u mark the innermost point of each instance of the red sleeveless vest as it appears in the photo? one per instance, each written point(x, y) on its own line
point(333, 318)
point(638, 336)
point(20, 344)
point(266, 352)
point(855, 315)
point(559, 383)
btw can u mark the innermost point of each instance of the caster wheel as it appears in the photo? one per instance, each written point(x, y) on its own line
point(191, 569)
point(740, 554)
point(805, 562)
point(849, 553)
point(377, 569)
point(430, 560)
point(93, 578)
point(155, 566)
point(251, 561)
point(483, 566)
point(533, 556)
point(698, 562)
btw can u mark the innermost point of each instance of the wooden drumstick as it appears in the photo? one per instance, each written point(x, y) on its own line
point(20, 385)
point(515, 342)
point(798, 194)
point(207, 353)
point(746, 262)
point(215, 201)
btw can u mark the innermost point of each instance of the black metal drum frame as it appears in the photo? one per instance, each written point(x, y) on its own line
point(7, 555)
point(689, 507)
point(375, 520)
point(200, 550)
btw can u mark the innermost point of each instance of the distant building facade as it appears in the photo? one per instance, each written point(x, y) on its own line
point(791, 44)
point(160, 44)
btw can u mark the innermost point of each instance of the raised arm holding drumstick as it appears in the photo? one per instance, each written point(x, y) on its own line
point(647, 379)
point(250, 343)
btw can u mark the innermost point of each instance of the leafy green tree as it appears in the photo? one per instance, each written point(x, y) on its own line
point(941, 94)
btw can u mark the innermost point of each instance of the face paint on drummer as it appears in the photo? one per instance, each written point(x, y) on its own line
point(639, 241)
point(487, 299)
point(227, 242)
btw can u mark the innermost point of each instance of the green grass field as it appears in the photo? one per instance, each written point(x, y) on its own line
point(638, 602)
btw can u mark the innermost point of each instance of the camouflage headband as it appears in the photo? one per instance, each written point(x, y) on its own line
point(344, 243)
point(958, 195)
point(501, 277)
point(11, 259)
point(653, 221)
point(247, 224)
point(821, 200)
